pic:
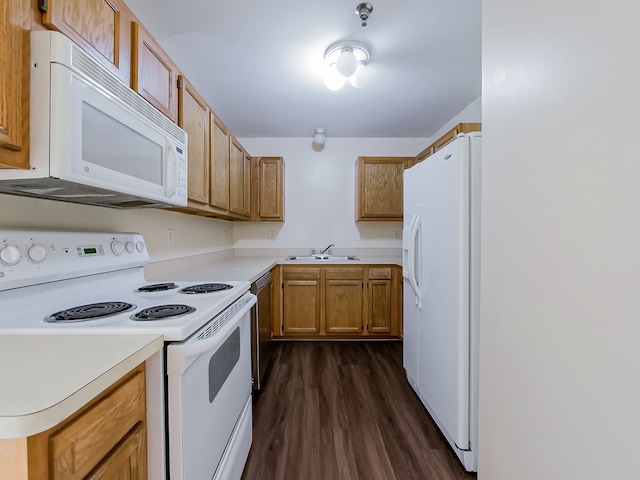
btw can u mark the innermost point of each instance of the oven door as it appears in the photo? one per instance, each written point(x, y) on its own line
point(209, 388)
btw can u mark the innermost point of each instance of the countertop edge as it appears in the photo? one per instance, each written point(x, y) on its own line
point(250, 268)
point(13, 427)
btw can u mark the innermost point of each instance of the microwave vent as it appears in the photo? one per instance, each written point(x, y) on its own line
point(56, 189)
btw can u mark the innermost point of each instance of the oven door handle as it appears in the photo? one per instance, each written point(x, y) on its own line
point(181, 355)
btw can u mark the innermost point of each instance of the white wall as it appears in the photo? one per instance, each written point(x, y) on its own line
point(191, 235)
point(320, 190)
point(472, 113)
point(320, 194)
point(560, 314)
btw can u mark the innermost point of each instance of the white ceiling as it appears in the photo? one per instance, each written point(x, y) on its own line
point(259, 64)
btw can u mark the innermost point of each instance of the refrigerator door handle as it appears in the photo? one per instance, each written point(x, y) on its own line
point(414, 259)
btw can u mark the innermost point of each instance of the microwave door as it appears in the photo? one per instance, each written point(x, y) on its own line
point(114, 148)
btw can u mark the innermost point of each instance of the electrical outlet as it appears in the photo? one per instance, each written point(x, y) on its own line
point(170, 236)
point(397, 234)
point(224, 235)
point(356, 235)
point(272, 235)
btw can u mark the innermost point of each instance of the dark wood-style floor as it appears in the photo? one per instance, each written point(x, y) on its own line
point(344, 411)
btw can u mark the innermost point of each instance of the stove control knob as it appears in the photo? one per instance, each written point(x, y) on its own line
point(130, 246)
point(140, 246)
point(37, 253)
point(117, 247)
point(10, 255)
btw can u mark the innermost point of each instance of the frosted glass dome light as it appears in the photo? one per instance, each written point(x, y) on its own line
point(319, 138)
point(332, 78)
point(361, 77)
point(347, 62)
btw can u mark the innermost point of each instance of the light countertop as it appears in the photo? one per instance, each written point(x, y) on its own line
point(247, 268)
point(46, 378)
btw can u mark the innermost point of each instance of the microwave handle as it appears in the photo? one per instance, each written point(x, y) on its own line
point(173, 167)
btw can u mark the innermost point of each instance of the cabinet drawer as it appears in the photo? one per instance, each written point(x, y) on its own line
point(343, 273)
point(124, 462)
point(383, 273)
point(300, 273)
point(80, 445)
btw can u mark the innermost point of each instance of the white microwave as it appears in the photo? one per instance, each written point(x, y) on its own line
point(93, 139)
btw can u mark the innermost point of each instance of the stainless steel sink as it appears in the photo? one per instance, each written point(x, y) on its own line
point(322, 257)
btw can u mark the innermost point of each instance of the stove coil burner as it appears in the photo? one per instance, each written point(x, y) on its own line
point(206, 288)
point(90, 311)
point(160, 312)
point(157, 287)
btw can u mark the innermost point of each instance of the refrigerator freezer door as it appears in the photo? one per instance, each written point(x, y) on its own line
point(410, 344)
point(443, 376)
point(410, 311)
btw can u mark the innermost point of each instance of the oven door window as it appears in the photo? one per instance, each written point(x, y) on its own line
point(221, 363)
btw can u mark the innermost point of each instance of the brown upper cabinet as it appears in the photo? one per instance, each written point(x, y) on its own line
point(219, 165)
point(193, 118)
point(236, 177)
point(221, 182)
point(267, 189)
point(379, 188)
point(14, 81)
point(101, 27)
point(445, 139)
point(247, 184)
point(153, 74)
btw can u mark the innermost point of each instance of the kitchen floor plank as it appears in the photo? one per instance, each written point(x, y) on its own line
point(344, 411)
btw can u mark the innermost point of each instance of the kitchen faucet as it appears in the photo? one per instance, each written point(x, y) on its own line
point(325, 250)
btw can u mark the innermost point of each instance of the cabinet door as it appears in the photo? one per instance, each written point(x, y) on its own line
point(379, 188)
point(247, 185)
point(379, 300)
point(127, 461)
point(343, 300)
point(101, 27)
point(14, 81)
point(154, 75)
point(301, 301)
point(82, 444)
point(193, 117)
point(219, 196)
point(271, 189)
point(236, 177)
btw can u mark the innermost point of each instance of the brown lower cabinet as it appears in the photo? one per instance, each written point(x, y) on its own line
point(339, 301)
point(104, 440)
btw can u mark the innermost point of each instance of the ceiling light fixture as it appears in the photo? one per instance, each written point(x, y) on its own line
point(319, 138)
point(363, 11)
point(346, 60)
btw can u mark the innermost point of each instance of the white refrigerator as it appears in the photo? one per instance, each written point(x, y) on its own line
point(441, 271)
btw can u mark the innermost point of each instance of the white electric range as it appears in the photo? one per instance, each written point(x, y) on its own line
point(65, 283)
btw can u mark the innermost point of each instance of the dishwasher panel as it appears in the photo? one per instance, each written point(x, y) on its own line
point(261, 330)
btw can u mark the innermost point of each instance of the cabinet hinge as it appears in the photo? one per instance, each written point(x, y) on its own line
point(179, 82)
point(43, 6)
